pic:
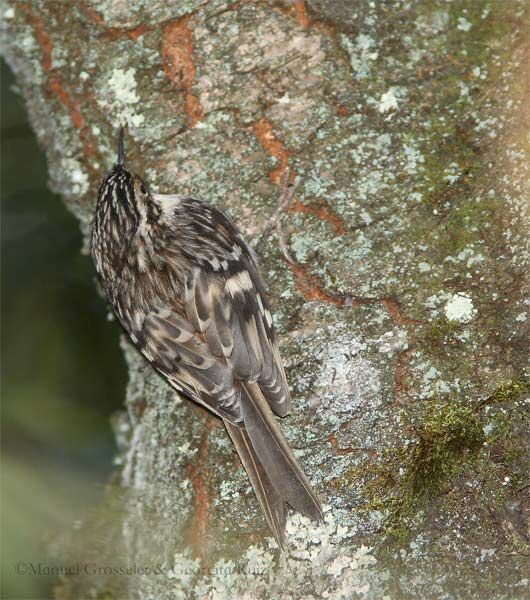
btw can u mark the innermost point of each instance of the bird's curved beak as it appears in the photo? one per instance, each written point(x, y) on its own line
point(121, 149)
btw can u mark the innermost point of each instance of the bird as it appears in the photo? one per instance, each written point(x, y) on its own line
point(185, 286)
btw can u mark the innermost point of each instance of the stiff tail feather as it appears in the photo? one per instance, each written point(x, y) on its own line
point(273, 470)
point(271, 502)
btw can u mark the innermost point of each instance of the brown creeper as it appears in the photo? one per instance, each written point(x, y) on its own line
point(185, 287)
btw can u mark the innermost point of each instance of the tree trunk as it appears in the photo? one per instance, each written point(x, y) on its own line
point(403, 322)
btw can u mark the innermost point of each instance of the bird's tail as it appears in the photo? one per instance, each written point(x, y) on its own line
point(273, 470)
point(271, 502)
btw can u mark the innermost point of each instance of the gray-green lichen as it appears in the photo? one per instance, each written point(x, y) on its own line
point(405, 325)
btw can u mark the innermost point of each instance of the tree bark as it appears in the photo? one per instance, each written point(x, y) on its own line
point(403, 322)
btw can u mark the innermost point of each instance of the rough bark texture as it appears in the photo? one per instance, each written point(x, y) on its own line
point(404, 324)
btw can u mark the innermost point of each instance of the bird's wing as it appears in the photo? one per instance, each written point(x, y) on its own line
point(221, 334)
point(179, 352)
point(230, 311)
point(225, 300)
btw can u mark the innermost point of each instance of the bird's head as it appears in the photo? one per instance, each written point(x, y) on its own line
point(123, 196)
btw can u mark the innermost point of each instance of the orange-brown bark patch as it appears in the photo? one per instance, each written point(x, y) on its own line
point(273, 146)
point(199, 481)
point(394, 310)
point(63, 97)
point(137, 32)
point(322, 213)
point(41, 36)
point(310, 287)
point(301, 14)
point(399, 377)
point(177, 62)
point(53, 82)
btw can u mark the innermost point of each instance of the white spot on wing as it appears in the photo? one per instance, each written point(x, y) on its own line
point(214, 261)
point(239, 283)
point(260, 304)
point(138, 321)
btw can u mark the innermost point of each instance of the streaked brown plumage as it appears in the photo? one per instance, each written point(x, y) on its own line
point(185, 287)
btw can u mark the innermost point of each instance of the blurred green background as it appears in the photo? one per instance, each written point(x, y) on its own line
point(63, 374)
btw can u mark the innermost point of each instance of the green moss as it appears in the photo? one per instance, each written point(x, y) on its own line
point(507, 442)
point(509, 392)
point(444, 441)
point(401, 484)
